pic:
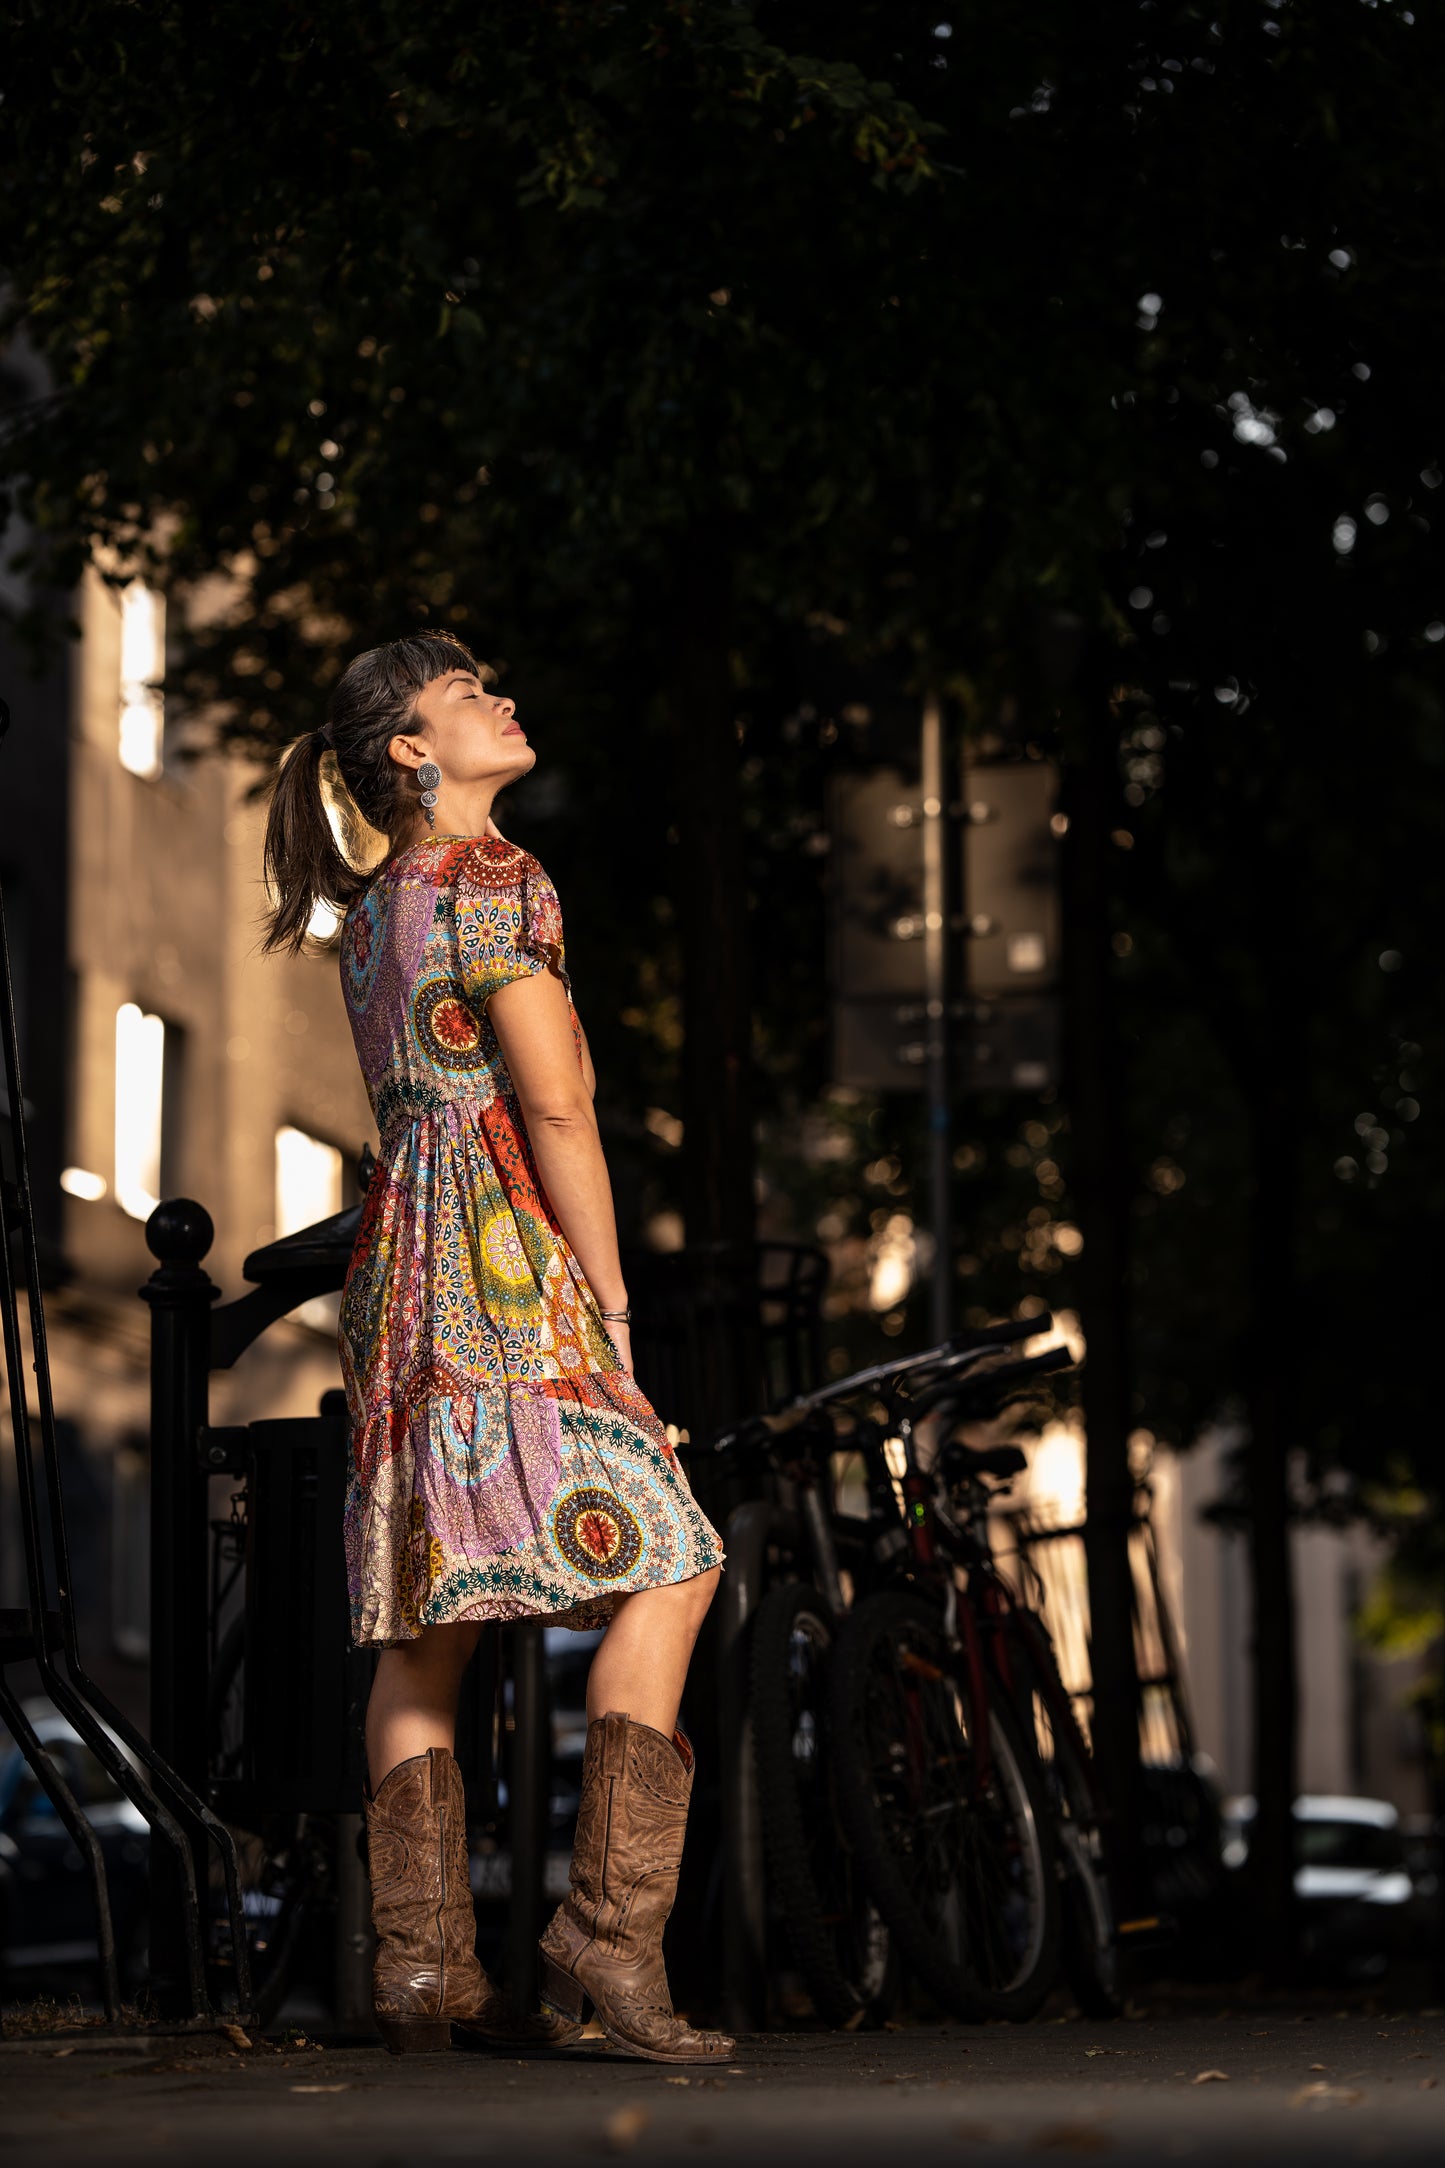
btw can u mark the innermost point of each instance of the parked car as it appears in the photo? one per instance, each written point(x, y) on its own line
point(47, 1912)
point(1360, 1904)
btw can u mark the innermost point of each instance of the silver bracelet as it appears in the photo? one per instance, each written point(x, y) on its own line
point(622, 1317)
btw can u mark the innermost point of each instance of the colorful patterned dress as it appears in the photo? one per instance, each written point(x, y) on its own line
point(504, 1464)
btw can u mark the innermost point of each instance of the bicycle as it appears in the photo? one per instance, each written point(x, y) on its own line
point(842, 1945)
point(968, 1790)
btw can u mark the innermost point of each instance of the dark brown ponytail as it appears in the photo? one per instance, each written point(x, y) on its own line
point(375, 698)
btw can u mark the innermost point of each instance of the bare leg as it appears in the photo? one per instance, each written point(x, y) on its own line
point(641, 1666)
point(413, 1702)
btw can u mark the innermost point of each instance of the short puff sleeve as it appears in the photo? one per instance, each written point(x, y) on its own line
point(509, 922)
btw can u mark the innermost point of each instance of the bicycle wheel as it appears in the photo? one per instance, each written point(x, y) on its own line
point(956, 1845)
point(838, 1936)
point(1090, 1942)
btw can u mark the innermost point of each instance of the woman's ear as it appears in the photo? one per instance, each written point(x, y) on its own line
point(407, 752)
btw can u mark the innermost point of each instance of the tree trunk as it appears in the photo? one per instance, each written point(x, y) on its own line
point(712, 906)
point(712, 909)
point(1101, 1180)
point(1274, 1313)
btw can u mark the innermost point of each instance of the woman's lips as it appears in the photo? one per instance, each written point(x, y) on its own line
point(514, 730)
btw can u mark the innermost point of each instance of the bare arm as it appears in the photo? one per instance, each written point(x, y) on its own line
point(534, 1029)
point(589, 1074)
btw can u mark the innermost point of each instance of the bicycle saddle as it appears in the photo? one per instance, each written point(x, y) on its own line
point(1000, 1460)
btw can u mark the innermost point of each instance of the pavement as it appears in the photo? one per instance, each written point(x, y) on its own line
point(1245, 2086)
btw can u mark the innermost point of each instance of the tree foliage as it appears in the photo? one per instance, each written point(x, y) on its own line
point(921, 359)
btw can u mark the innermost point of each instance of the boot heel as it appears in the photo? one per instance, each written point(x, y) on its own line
point(415, 2035)
point(560, 1992)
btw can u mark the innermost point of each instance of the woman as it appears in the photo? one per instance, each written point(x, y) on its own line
point(505, 1464)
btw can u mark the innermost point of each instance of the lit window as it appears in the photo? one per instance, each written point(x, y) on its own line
point(81, 1182)
point(308, 1189)
point(140, 1069)
point(142, 666)
point(308, 1181)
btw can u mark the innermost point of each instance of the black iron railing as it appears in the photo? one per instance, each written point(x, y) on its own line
point(185, 1834)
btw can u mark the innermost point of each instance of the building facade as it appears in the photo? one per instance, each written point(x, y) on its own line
point(163, 1055)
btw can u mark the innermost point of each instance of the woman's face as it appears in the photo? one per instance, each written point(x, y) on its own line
point(470, 732)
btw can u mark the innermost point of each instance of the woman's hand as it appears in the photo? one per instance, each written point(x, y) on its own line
point(622, 1341)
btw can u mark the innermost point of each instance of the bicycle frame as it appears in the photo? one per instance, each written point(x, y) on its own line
point(987, 1621)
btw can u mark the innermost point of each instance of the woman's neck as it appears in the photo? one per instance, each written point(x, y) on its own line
point(458, 812)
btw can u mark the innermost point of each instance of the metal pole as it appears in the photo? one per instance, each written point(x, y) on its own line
point(180, 1293)
point(528, 1801)
point(354, 1939)
point(935, 967)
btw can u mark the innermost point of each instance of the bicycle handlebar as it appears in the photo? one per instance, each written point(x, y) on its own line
point(989, 1382)
point(962, 1348)
point(958, 1346)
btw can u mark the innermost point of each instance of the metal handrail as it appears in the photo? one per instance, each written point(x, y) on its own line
point(147, 1781)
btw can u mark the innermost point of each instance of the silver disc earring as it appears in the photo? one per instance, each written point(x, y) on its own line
point(429, 775)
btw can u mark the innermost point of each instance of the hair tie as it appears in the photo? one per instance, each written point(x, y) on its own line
point(324, 734)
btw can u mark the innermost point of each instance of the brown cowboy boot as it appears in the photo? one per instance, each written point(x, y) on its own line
point(604, 1944)
point(426, 1977)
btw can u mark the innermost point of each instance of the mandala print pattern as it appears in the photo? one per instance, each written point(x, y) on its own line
point(503, 1463)
point(596, 1533)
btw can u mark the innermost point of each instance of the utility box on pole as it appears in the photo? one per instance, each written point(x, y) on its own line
point(1014, 929)
point(1011, 877)
point(878, 961)
point(1002, 1010)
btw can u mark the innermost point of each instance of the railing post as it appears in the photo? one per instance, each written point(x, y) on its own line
point(180, 1293)
point(529, 1793)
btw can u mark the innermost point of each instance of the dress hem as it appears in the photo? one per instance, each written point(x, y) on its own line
point(581, 1617)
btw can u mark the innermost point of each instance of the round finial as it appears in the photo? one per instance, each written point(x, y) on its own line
point(180, 1231)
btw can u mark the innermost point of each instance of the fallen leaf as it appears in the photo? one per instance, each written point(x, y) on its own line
point(343, 2088)
point(677, 2081)
point(1203, 2077)
point(1320, 2095)
point(1319, 2066)
point(1428, 2084)
point(237, 2035)
point(625, 2128)
point(1096, 2051)
point(61, 2051)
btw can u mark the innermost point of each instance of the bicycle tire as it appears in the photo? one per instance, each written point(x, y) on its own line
point(965, 1878)
point(838, 1937)
point(1089, 1941)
